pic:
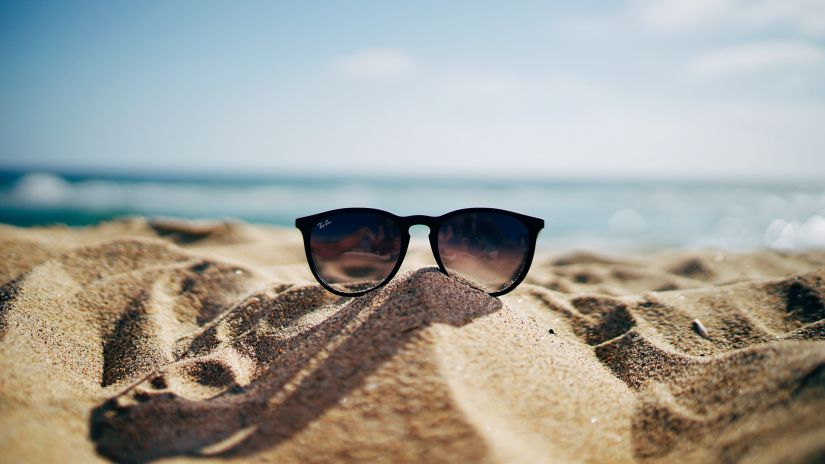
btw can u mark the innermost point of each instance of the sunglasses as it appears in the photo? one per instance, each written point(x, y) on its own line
point(352, 251)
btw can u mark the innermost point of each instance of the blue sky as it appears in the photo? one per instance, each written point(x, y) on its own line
point(674, 88)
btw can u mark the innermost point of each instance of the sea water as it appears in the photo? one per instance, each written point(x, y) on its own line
point(600, 214)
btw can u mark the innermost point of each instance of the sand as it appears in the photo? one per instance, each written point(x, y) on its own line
point(142, 340)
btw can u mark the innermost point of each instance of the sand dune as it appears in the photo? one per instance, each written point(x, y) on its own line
point(136, 341)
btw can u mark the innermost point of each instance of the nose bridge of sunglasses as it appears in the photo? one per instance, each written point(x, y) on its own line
point(419, 254)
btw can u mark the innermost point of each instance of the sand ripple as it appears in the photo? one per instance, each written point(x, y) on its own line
point(135, 341)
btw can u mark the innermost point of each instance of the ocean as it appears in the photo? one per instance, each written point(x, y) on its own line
point(599, 214)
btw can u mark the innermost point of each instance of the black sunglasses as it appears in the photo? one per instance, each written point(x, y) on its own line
point(352, 251)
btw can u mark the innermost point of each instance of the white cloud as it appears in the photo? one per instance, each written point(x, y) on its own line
point(803, 16)
point(377, 63)
point(755, 57)
point(681, 14)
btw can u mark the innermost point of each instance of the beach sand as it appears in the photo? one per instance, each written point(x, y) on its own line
point(142, 340)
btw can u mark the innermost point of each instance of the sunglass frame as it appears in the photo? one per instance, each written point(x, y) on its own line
point(307, 223)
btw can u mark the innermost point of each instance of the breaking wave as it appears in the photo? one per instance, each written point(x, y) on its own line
point(594, 214)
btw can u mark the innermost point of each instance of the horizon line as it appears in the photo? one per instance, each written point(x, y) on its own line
point(264, 175)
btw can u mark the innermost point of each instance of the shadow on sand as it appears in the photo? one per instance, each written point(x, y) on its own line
point(297, 374)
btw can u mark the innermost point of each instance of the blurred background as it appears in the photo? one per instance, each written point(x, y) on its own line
point(624, 124)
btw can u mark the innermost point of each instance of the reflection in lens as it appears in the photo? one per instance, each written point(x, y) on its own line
point(355, 251)
point(489, 249)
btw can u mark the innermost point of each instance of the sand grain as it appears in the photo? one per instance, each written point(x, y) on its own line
point(139, 340)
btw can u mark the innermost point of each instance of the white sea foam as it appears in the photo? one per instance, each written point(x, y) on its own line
point(190, 199)
point(626, 221)
point(794, 235)
point(586, 214)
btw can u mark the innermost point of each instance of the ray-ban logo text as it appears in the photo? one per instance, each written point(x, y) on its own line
point(324, 223)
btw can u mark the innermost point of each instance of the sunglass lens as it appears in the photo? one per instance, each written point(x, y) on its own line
point(356, 251)
point(487, 248)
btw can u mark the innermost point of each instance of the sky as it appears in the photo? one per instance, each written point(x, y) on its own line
point(624, 89)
